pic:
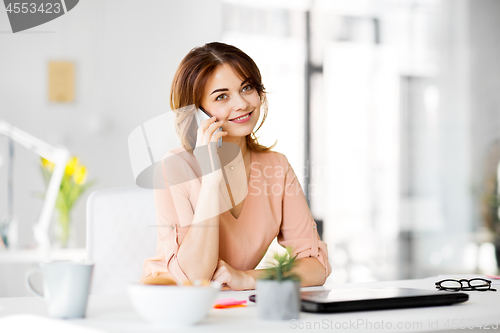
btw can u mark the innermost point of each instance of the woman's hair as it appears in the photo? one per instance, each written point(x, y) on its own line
point(189, 83)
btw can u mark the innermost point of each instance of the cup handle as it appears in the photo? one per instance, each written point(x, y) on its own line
point(28, 285)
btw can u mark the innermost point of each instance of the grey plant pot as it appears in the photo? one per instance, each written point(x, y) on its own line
point(278, 300)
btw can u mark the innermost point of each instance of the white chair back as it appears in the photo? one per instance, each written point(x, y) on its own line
point(121, 233)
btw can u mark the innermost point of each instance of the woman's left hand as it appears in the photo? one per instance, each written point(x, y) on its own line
point(233, 278)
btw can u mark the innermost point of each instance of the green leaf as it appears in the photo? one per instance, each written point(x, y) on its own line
point(281, 270)
point(89, 184)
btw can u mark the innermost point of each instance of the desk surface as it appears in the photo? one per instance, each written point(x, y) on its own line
point(114, 313)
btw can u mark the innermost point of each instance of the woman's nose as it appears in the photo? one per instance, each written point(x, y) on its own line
point(240, 103)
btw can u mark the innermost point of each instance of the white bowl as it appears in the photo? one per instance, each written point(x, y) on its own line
point(173, 305)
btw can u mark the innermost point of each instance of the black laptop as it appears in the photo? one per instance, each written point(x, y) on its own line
point(348, 300)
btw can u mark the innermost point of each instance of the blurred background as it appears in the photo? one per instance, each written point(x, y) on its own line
point(388, 110)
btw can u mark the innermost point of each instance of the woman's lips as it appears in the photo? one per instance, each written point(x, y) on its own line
point(242, 119)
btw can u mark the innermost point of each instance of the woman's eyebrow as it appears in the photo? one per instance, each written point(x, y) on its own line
point(220, 89)
point(225, 89)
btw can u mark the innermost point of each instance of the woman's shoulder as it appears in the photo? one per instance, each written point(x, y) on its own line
point(179, 158)
point(178, 154)
point(270, 155)
point(273, 157)
point(177, 151)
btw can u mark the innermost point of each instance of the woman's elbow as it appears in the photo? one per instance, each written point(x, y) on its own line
point(198, 271)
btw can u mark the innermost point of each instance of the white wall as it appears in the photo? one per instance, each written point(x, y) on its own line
point(126, 53)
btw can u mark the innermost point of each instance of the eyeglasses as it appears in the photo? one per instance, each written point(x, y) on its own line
point(477, 284)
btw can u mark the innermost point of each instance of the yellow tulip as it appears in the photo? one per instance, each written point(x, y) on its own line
point(72, 166)
point(80, 175)
point(47, 164)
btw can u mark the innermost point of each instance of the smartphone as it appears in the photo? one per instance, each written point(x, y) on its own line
point(202, 115)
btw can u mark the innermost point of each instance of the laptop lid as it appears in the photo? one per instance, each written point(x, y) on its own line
point(347, 300)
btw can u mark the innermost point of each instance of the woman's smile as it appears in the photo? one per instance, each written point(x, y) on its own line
point(242, 119)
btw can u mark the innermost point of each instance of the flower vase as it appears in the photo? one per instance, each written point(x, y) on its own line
point(62, 228)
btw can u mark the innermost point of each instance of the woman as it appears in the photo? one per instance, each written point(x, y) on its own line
point(218, 211)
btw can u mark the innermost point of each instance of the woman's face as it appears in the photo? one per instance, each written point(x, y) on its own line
point(232, 99)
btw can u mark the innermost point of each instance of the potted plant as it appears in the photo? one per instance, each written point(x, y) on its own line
point(278, 289)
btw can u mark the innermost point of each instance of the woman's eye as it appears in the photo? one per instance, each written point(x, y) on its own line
point(221, 97)
point(247, 87)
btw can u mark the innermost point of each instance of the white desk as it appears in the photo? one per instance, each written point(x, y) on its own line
point(114, 313)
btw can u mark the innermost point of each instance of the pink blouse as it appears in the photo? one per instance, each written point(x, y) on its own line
point(275, 206)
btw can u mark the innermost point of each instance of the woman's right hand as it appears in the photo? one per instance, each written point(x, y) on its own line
point(206, 151)
point(206, 132)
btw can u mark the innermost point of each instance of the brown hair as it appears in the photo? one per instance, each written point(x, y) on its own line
point(190, 80)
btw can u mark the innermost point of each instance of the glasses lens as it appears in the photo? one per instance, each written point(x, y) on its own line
point(479, 284)
point(451, 285)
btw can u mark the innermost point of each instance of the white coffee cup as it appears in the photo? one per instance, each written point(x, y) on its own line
point(66, 287)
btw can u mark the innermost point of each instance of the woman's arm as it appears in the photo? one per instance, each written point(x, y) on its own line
point(299, 231)
point(311, 271)
point(199, 251)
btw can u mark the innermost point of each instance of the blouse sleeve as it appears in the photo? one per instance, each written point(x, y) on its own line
point(170, 200)
point(298, 228)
